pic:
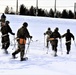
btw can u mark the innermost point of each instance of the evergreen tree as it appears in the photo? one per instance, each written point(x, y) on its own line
point(6, 10)
point(41, 12)
point(32, 11)
point(51, 13)
point(11, 11)
point(22, 10)
point(26, 11)
point(64, 14)
point(71, 15)
point(58, 14)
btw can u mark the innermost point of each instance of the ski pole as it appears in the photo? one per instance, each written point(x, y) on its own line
point(14, 47)
point(47, 50)
point(44, 40)
point(44, 43)
point(74, 43)
point(28, 46)
point(61, 46)
point(47, 46)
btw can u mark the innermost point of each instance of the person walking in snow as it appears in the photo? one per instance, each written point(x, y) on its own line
point(54, 40)
point(68, 35)
point(48, 33)
point(3, 18)
point(5, 29)
point(22, 35)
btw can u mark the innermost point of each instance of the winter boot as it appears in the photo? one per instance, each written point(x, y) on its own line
point(22, 59)
point(6, 51)
point(55, 54)
point(67, 52)
point(13, 55)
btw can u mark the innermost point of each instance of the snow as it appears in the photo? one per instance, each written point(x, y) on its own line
point(39, 62)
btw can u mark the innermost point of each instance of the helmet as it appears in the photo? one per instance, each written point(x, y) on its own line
point(7, 22)
point(25, 24)
point(68, 30)
point(49, 28)
point(56, 29)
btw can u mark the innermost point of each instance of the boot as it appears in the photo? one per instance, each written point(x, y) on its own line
point(67, 52)
point(55, 54)
point(22, 59)
point(6, 51)
point(13, 55)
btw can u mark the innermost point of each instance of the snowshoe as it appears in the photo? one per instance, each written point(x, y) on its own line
point(67, 52)
point(13, 56)
point(55, 55)
point(6, 52)
point(24, 59)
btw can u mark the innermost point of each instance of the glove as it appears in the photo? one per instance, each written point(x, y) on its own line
point(13, 33)
point(44, 33)
point(30, 37)
point(73, 39)
point(17, 39)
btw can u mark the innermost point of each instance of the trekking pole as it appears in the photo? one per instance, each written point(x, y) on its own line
point(14, 47)
point(48, 46)
point(74, 43)
point(47, 50)
point(28, 46)
point(44, 40)
point(44, 43)
point(61, 46)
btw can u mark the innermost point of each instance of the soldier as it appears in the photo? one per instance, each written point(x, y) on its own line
point(68, 35)
point(48, 33)
point(22, 35)
point(5, 29)
point(3, 18)
point(54, 40)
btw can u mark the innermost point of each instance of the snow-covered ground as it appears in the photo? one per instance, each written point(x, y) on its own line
point(39, 62)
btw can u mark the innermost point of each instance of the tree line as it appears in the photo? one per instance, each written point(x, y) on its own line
point(41, 12)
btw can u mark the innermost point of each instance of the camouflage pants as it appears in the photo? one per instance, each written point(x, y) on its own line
point(21, 49)
point(5, 45)
point(47, 42)
point(68, 46)
point(54, 45)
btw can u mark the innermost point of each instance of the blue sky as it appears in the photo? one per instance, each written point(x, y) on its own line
point(45, 4)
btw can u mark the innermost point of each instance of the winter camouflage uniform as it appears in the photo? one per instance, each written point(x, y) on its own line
point(48, 33)
point(22, 33)
point(5, 29)
point(68, 37)
point(54, 42)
